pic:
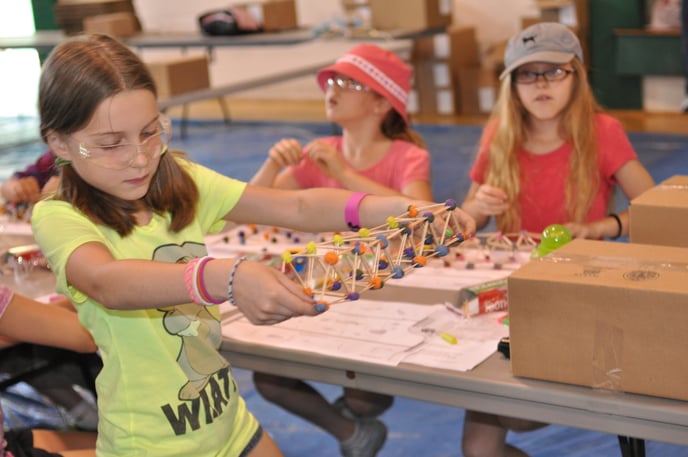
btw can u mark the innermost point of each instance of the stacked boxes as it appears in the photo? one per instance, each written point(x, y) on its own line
point(448, 75)
point(410, 14)
point(70, 14)
point(118, 25)
point(272, 15)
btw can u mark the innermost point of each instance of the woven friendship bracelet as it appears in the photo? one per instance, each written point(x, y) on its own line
point(189, 279)
point(230, 282)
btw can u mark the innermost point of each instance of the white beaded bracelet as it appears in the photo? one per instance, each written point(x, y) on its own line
point(230, 282)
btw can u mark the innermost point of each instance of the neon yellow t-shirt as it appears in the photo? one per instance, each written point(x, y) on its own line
point(164, 390)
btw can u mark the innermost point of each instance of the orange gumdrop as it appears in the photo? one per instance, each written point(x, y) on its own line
point(420, 260)
point(376, 282)
point(308, 291)
point(331, 258)
point(412, 211)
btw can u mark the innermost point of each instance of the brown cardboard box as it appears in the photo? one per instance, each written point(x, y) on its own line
point(273, 15)
point(475, 90)
point(660, 215)
point(178, 76)
point(409, 14)
point(119, 25)
point(70, 16)
point(433, 86)
point(603, 314)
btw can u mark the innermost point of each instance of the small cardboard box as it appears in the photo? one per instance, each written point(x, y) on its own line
point(603, 314)
point(118, 25)
point(410, 14)
point(273, 15)
point(475, 90)
point(181, 75)
point(660, 215)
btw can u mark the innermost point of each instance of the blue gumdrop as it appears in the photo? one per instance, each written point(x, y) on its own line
point(384, 242)
point(398, 272)
point(441, 250)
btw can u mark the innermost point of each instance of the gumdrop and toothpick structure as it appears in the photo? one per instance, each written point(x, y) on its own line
point(349, 264)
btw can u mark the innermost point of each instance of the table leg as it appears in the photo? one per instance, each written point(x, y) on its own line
point(631, 447)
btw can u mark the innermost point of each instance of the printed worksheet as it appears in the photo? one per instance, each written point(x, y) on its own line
point(382, 332)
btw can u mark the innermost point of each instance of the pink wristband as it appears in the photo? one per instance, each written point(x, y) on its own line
point(351, 210)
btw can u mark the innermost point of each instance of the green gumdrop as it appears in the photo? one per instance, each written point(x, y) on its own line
point(555, 236)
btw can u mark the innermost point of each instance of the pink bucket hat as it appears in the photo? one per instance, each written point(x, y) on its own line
point(381, 70)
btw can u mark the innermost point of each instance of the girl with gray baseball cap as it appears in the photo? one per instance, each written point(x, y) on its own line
point(548, 155)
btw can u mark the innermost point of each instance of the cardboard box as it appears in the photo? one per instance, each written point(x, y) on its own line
point(70, 16)
point(475, 90)
point(273, 15)
point(603, 314)
point(410, 14)
point(179, 76)
point(660, 215)
point(118, 25)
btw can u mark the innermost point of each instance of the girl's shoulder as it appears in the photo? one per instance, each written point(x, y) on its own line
point(604, 121)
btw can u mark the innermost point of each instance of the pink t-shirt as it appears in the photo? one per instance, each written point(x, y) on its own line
point(543, 177)
point(404, 163)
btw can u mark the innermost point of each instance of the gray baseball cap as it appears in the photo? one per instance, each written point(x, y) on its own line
point(549, 42)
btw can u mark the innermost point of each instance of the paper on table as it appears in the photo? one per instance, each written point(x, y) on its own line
point(448, 278)
point(14, 227)
point(381, 332)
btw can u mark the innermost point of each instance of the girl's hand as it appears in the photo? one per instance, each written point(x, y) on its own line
point(286, 152)
point(21, 190)
point(490, 201)
point(327, 158)
point(267, 296)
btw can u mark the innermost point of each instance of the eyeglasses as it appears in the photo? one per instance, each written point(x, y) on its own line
point(121, 155)
point(346, 83)
point(551, 75)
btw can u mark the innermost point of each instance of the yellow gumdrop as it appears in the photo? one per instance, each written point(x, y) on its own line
point(311, 248)
point(392, 222)
point(364, 233)
point(286, 257)
point(338, 240)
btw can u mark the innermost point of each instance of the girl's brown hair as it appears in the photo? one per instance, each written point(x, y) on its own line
point(395, 127)
point(577, 127)
point(77, 76)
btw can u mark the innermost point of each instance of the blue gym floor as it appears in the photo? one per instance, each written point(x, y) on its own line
point(416, 428)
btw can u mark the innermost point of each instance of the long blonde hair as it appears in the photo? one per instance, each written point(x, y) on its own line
point(577, 127)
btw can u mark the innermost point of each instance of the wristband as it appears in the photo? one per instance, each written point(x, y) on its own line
point(351, 215)
point(205, 298)
point(618, 222)
point(230, 282)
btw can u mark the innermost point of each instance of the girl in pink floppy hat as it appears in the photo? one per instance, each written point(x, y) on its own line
point(366, 91)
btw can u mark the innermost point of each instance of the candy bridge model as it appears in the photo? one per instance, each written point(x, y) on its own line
point(349, 264)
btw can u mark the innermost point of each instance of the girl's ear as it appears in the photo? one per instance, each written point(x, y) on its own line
point(382, 106)
point(58, 146)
